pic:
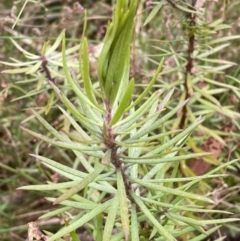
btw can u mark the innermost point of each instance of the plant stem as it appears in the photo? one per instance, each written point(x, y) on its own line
point(109, 140)
point(191, 17)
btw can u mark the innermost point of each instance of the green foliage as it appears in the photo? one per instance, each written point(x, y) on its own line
point(128, 142)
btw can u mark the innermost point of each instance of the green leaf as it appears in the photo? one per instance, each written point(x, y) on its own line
point(208, 232)
point(28, 95)
point(34, 68)
point(73, 174)
point(68, 145)
point(212, 51)
point(123, 202)
point(80, 222)
point(223, 110)
point(173, 191)
point(181, 208)
point(98, 223)
point(217, 61)
point(84, 69)
point(51, 234)
point(159, 122)
point(26, 53)
point(120, 54)
point(56, 44)
point(45, 46)
point(217, 169)
point(153, 13)
point(192, 222)
point(217, 83)
point(56, 212)
point(162, 231)
point(16, 71)
point(132, 118)
point(224, 39)
point(71, 81)
point(205, 94)
point(107, 157)
point(149, 86)
point(152, 138)
point(75, 204)
point(63, 138)
point(81, 185)
point(103, 60)
point(76, 126)
point(76, 174)
point(210, 69)
point(123, 104)
point(111, 219)
point(155, 112)
point(73, 234)
point(91, 113)
point(89, 124)
point(18, 64)
point(49, 103)
point(184, 179)
point(178, 139)
point(118, 237)
point(134, 224)
point(203, 222)
point(156, 160)
point(50, 186)
point(187, 10)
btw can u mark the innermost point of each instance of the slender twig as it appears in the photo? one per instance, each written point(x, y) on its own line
point(174, 5)
point(191, 17)
point(109, 140)
point(46, 70)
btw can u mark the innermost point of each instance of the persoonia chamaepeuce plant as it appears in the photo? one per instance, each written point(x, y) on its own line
point(129, 186)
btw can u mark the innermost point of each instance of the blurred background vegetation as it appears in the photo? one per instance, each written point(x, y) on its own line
point(44, 20)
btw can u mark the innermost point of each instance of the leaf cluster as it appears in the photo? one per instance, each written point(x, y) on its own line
point(130, 147)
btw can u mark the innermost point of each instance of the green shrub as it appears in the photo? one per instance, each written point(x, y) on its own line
point(127, 144)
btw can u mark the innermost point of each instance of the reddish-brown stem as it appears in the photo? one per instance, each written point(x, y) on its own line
point(191, 17)
point(46, 70)
point(109, 140)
